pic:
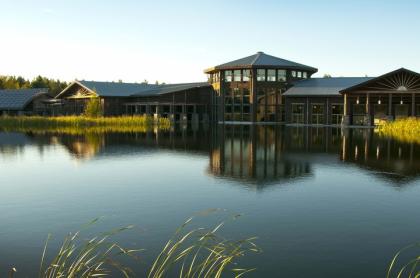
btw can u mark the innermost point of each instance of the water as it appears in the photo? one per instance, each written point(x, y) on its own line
point(323, 202)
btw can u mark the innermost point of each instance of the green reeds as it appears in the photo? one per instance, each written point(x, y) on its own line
point(191, 252)
point(405, 130)
point(76, 124)
point(409, 269)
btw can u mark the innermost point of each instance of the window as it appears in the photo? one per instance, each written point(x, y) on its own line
point(237, 75)
point(299, 74)
point(297, 113)
point(281, 75)
point(317, 114)
point(246, 75)
point(271, 75)
point(337, 111)
point(260, 74)
point(228, 76)
point(305, 74)
point(246, 96)
point(293, 73)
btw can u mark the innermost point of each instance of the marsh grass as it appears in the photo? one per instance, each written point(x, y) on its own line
point(191, 252)
point(410, 268)
point(405, 130)
point(82, 123)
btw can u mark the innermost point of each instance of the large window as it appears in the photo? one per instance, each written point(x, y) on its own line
point(260, 74)
point(305, 74)
point(228, 76)
point(293, 73)
point(337, 111)
point(299, 74)
point(297, 113)
point(271, 75)
point(401, 111)
point(317, 114)
point(246, 75)
point(237, 75)
point(281, 75)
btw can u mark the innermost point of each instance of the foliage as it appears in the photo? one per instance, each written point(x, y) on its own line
point(405, 130)
point(191, 252)
point(13, 82)
point(94, 108)
point(201, 253)
point(409, 269)
point(75, 124)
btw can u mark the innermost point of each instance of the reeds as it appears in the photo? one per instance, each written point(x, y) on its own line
point(82, 123)
point(405, 130)
point(409, 269)
point(191, 252)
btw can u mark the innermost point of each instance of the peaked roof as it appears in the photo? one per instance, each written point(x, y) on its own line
point(117, 89)
point(18, 99)
point(391, 81)
point(260, 59)
point(324, 86)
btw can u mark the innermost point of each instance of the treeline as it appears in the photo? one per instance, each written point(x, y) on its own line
point(13, 82)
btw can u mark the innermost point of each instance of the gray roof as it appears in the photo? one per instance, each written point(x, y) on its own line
point(261, 59)
point(324, 86)
point(116, 89)
point(18, 99)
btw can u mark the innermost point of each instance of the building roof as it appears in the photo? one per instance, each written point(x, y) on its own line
point(260, 59)
point(117, 89)
point(18, 99)
point(324, 86)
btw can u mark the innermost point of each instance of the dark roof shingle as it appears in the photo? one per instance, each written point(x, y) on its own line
point(324, 86)
point(261, 59)
point(18, 99)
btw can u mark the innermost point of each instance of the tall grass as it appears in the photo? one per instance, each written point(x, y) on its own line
point(124, 123)
point(405, 130)
point(410, 268)
point(191, 252)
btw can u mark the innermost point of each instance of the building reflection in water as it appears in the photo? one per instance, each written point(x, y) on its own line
point(260, 155)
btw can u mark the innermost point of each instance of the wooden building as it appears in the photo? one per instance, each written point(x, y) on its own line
point(179, 102)
point(251, 89)
point(23, 101)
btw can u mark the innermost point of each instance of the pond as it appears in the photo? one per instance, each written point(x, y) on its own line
point(323, 202)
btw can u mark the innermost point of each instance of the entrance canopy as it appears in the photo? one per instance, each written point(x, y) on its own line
point(398, 81)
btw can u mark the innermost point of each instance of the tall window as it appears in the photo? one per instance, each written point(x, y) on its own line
point(305, 74)
point(260, 74)
point(299, 74)
point(293, 73)
point(237, 75)
point(271, 75)
point(246, 75)
point(297, 113)
point(317, 114)
point(281, 75)
point(228, 76)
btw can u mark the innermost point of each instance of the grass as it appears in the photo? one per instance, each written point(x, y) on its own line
point(191, 252)
point(405, 130)
point(78, 124)
point(409, 269)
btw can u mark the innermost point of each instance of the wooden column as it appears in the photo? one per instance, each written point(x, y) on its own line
point(254, 102)
point(368, 104)
point(389, 106)
point(413, 104)
point(346, 112)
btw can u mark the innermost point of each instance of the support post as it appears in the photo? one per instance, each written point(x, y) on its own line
point(368, 120)
point(346, 117)
point(390, 118)
point(413, 104)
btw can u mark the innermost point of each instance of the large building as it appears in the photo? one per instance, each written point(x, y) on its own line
point(257, 89)
point(23, 101)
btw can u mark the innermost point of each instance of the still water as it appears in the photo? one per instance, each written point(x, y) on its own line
point(324, 202)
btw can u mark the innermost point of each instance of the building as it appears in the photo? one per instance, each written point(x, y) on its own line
point(262, 88)
point(23, 101)
point(179, 102)
point(252, 89)
point(256, 89)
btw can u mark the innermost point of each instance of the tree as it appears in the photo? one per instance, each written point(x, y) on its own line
point(327, 75)
point(94, 108)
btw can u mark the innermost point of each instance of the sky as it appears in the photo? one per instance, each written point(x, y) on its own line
point(174, 41)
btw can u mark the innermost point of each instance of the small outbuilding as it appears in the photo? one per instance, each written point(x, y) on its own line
point(23, 101)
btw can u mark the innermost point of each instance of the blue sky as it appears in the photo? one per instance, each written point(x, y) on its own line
point(173, 41)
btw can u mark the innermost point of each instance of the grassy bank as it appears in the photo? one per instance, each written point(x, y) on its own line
point(406, 130)
point(82, 123)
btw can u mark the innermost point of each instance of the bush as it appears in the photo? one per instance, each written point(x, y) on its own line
point(94, 108)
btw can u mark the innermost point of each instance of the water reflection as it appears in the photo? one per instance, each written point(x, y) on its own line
point(258, 155)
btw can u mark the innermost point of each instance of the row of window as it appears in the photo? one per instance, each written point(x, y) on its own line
point(270, 75)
